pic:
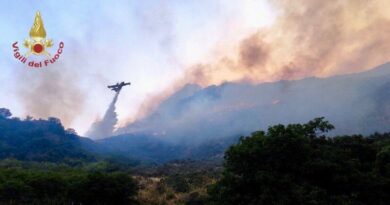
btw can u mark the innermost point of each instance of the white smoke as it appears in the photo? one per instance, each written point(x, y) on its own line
point(104, 128)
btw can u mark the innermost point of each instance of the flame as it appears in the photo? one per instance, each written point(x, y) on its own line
point(38, 30)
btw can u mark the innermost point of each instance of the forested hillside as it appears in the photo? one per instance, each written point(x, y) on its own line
point(40, 140)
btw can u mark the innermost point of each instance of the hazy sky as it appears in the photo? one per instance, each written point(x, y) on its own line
point(150, 43)
point(162, 45)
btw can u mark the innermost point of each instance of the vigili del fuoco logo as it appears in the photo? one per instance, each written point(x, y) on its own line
point(37, 45)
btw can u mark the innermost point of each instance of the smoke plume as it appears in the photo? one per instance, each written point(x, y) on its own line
point(354, 103)
point(308, 38)
point(104, 128)
point(50, 92)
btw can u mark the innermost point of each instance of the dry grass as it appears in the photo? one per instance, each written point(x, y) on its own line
point(156, 191)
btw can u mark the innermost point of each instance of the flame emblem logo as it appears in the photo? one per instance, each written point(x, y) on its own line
point(37, 43)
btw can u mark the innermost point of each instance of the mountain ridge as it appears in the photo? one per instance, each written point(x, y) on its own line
point(200, 123)
point(220, 98)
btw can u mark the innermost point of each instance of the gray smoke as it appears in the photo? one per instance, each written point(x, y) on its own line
point(354, 103)
point(104, 128)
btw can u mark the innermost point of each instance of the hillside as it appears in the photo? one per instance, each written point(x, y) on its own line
point(157, 150)
point(355, 103)
point(201, 123)
point(40, 140)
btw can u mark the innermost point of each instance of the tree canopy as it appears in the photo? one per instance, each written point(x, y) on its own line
point(45, 183)
point(298, 164)
point(40, 140)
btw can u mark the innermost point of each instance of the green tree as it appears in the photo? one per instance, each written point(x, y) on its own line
point(56, 184)
point(5, 113)
point(297, 164)
point(99, 188)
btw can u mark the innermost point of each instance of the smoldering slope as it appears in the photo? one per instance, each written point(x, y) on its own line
point(354, 103)
point(104, 127)
point(308, 39)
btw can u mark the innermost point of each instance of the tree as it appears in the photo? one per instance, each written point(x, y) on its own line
point(100, 188)
point(5, 113)
point(39, 183)
point(297, 164)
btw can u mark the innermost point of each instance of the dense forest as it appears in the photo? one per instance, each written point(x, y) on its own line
point(42, 163)
point(47, 183)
